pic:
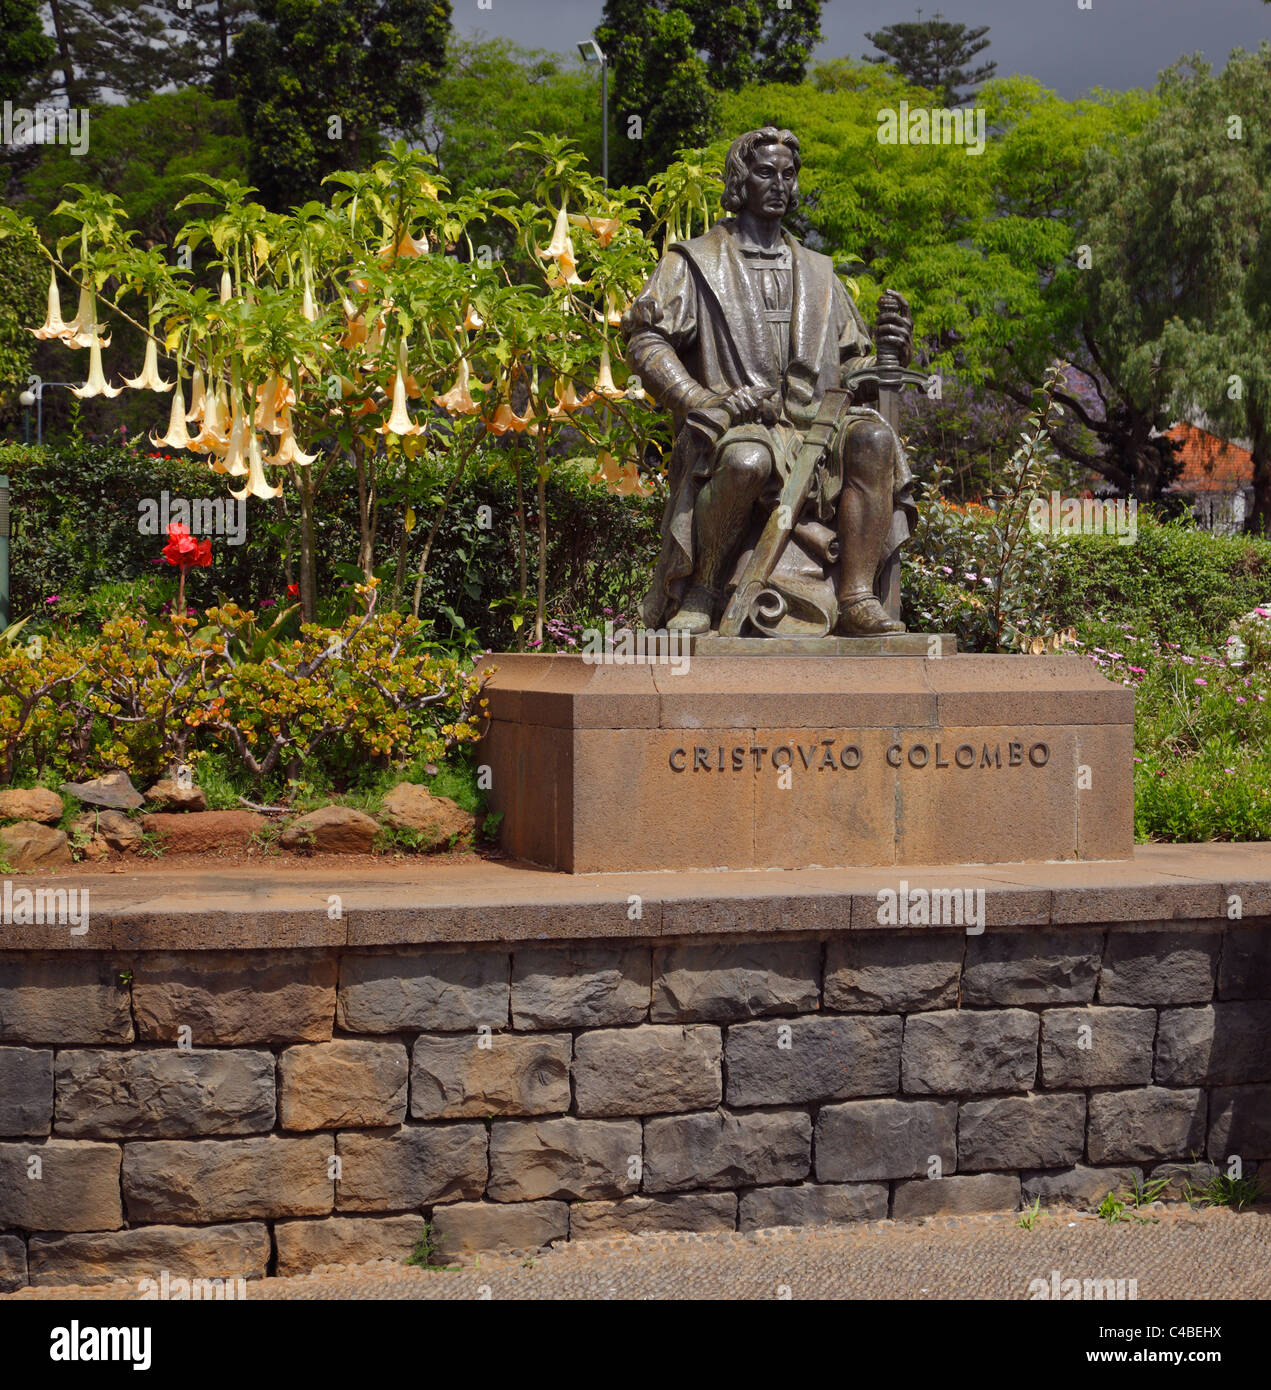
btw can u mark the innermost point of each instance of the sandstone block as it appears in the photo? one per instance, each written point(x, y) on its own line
point(959, 1051)
point(197, 1181)
point(1224, 1044)
point(239, 1251)
point(565, 1158)
point(1097, 1047)
point(1031, 967)
point(1159, 967)
point(201, 832)
point(771, 1063)
point(229, 998)
point(467, 1228)
point(331, 830)
point(26, 1090)
point(28, 845)
point(871, 1139)
point(63, 1000)
point(1240, 1123)
point(342, 1084)
point(649, 1070)
point(690, 1211)
point(718, 983)
point(168, 794)
point(33, 803)
point(424, 991)
point(116, 830)
point(440, 821)
point(719, 1149)
point(1079, 1187)
point(12, 1263)
point(411, 1167)
point(1046, 1131)
point(1144, 1125)
point(580, 986)
point(60, 1185)
point(811, 1204)
point(955, 1196)
point(886, 972)
point(345, 1240)
point(453, 1076)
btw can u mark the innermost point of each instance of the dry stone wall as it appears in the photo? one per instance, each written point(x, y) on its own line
point(236, 1113)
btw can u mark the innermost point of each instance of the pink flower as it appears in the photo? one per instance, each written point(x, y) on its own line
point(1240, 700)
point(1200, 680)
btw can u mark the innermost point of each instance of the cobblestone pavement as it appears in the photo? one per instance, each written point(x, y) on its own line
point(1175, 1253)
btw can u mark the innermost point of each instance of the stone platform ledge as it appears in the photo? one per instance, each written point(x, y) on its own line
point(267, 908)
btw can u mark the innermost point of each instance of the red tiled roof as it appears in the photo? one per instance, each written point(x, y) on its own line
point(1210, 464)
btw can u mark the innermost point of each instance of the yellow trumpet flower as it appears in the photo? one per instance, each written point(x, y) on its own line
point(149, 380)
point(52, 327)
point(399, 421)
point(604, 388)
point(257, 483)
point(83, 329)
point(288, 451)
point(227, 286)
point(233, 461)
point(602, 228)
point(198, 392)
point(96, 384)
point(560, 236)
point(177, 436)
point(458, 400)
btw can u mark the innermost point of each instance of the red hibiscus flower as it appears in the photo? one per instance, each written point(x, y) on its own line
point(294, 590)
point(186, 553)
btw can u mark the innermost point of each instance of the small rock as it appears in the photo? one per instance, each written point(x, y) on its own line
point(169, 795)
point(113, 828)
point(193, 832)
point(33, 803)
point(115, 790)
point(439, 820)
point(332, 830)
point(29, 845)
point(94, 848)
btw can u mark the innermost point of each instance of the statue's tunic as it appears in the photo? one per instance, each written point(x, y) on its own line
point(715, 316)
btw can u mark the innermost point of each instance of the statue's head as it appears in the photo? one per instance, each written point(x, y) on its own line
point(761, 173)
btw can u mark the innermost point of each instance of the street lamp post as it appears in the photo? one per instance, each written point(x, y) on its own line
point(34, 396)
point(593, 53)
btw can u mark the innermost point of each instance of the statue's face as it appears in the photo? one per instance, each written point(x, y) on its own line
point(770, 183)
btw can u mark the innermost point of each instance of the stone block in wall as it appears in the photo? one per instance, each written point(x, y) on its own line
point(60, 1185)
point(648, 1070)
point(239, 1251)
point(893, 973)
point(1097, 1047)
point(194, 1181)
point(818, 1058)
point(969, 1052)
point(579, 986)
point(1144, 1125)
point(12, 1263)
point(410, 1167)
point(66, 1000)
point(1245, 970)
point(721, 1149)
point(345, 1240)
point(1225, 1044)
point(563, 1158)
point(872, 1139)
point(1044, 1131)
point(1182, 1176)
point(232, 998)
point(431, 991)
point(163, 1093)
point(1079, 1187)
point(1239, 1123)
point(689, 1211)
point(1031, 967)
point(812, 1204)
point(342, 1084)
point(467, 1228)
point(722, 982)
point(1154, 968)
point(955, 1196)
point(26, 1090)
point(470, 1074)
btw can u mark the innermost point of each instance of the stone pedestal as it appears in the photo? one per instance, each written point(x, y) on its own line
point(790, 761)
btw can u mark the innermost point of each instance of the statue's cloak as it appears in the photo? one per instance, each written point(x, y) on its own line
point(699, 324)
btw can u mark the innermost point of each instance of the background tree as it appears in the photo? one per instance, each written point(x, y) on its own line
point(207, 33)
point(25, 49)
point(320, 83)
point(24, 275)
point(670, 57)
point(935, 53)
point(107, 46)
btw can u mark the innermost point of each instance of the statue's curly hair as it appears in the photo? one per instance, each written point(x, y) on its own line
point(741, 155)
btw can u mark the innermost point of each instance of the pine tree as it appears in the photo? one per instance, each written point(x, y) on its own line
point(123, 47)
point(935, 53)
point(25, 50)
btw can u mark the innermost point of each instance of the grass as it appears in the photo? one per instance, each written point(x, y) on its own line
point(427, 1251)
point(1220, 1190)
point(1031, 1215)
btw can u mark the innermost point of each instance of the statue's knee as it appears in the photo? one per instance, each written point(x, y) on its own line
point(748, 465)
point(870, 448)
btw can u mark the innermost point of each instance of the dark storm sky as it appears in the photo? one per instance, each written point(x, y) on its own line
point(1118, 43)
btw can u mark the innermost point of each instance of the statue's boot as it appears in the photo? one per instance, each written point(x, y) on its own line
point(695, 612)
point(861, 615)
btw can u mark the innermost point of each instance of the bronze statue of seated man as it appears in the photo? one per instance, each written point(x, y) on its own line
point(741, 332)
